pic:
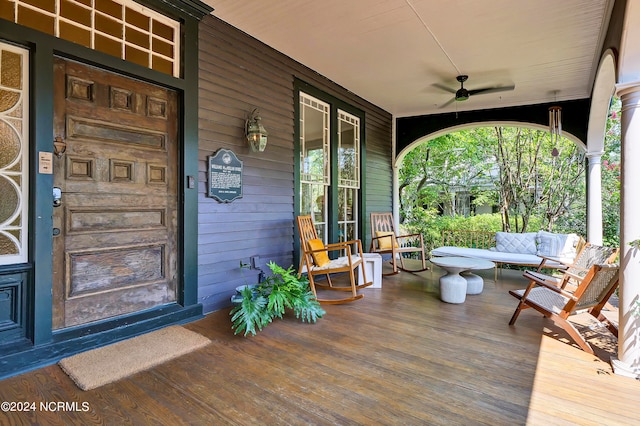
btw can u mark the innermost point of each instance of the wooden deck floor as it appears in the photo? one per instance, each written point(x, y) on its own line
point(398, 356)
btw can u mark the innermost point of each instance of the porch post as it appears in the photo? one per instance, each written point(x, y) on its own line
point(628, 361)
point(594, 198)
point(395, 185)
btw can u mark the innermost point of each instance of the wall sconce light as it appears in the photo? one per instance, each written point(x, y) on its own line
point(256, 133)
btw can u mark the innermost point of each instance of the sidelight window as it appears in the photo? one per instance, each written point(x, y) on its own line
point(14, 142)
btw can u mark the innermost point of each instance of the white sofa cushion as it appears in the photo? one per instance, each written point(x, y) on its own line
point(492, 255)
point(557, 245)
point(512, 242)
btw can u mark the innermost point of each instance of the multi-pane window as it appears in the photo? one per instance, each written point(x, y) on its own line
point(348, 174)
point(14, 166)
point(314, 161)
point(121, 28)
point(324, 179)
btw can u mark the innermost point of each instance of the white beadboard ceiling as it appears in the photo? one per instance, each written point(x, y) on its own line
point(402, 54)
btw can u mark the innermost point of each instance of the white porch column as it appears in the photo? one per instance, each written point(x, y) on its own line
point(594, 198)
point(396, 197)
point(628, 361)
point(395, 185)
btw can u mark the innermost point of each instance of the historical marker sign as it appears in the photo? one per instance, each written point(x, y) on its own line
point(225, 176)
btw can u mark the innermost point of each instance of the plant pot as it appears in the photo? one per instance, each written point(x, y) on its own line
point(236, 299)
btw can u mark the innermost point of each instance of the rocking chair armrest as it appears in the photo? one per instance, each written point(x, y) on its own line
point(416, 235)
point(350, 242)
point(383, 236)
point(343, 245)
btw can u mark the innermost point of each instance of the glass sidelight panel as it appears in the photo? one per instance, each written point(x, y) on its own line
point(14, 139)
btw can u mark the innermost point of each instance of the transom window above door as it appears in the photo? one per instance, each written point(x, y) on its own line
point(122, 28)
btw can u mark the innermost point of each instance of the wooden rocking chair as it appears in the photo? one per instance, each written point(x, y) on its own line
point(385, 240)
point(315, 261)
point(592, 293)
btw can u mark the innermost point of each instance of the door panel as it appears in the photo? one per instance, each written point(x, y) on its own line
point(116, 249)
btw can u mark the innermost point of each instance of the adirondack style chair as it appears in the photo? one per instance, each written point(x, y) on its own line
point(315, 260)
point(592, 293)
point(385, 240)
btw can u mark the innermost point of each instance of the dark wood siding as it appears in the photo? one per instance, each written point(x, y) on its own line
point(379, 155)
point(237, 74)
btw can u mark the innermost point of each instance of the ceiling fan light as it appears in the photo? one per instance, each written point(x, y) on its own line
point(462, 95)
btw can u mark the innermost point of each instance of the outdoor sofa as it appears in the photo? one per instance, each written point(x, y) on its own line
point(522, 249)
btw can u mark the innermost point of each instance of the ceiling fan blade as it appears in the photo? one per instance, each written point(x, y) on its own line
point(449, 102)
point(443, 87)
point(490, 90)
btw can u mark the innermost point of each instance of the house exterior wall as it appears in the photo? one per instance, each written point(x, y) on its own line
point(237, 74)
point(30, 340)
point(222, 81)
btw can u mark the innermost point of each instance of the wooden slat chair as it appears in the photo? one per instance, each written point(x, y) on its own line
point(589, 255)
point(315, 261)
point(385, 240)
point(592, 293)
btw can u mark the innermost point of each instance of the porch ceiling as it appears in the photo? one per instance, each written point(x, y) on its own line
point(402, 54)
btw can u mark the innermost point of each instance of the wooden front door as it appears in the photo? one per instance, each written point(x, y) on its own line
point(115, 238)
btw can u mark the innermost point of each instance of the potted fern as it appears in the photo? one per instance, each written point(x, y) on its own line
point(261, 303)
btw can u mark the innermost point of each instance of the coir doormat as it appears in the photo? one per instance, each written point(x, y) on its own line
point(104, 365)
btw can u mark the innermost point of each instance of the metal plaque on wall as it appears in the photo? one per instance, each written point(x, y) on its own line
point(225, 176)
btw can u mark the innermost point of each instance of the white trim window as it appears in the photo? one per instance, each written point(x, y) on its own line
point(315, 161)
point(348, 174)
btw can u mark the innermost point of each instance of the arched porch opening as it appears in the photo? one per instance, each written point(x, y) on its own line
point(420, 141)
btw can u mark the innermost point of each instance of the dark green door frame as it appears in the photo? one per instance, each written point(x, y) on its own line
point(42, 49)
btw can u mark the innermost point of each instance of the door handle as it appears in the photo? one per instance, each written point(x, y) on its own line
point(57, 196)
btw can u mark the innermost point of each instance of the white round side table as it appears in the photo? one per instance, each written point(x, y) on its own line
point(459, 281)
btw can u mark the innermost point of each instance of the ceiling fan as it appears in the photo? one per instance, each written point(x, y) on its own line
point(463, 94)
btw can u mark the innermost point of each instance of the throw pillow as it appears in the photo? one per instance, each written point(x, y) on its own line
point(385, 240)
point(548, 244)
point(321, 257)
point(568, 247)
point(512, 242)
point(557, 245)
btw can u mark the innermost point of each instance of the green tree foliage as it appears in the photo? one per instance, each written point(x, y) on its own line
point(611, 177)
point(434, 172)
point(510, 167)
point(514, 169)
point(534, 181)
